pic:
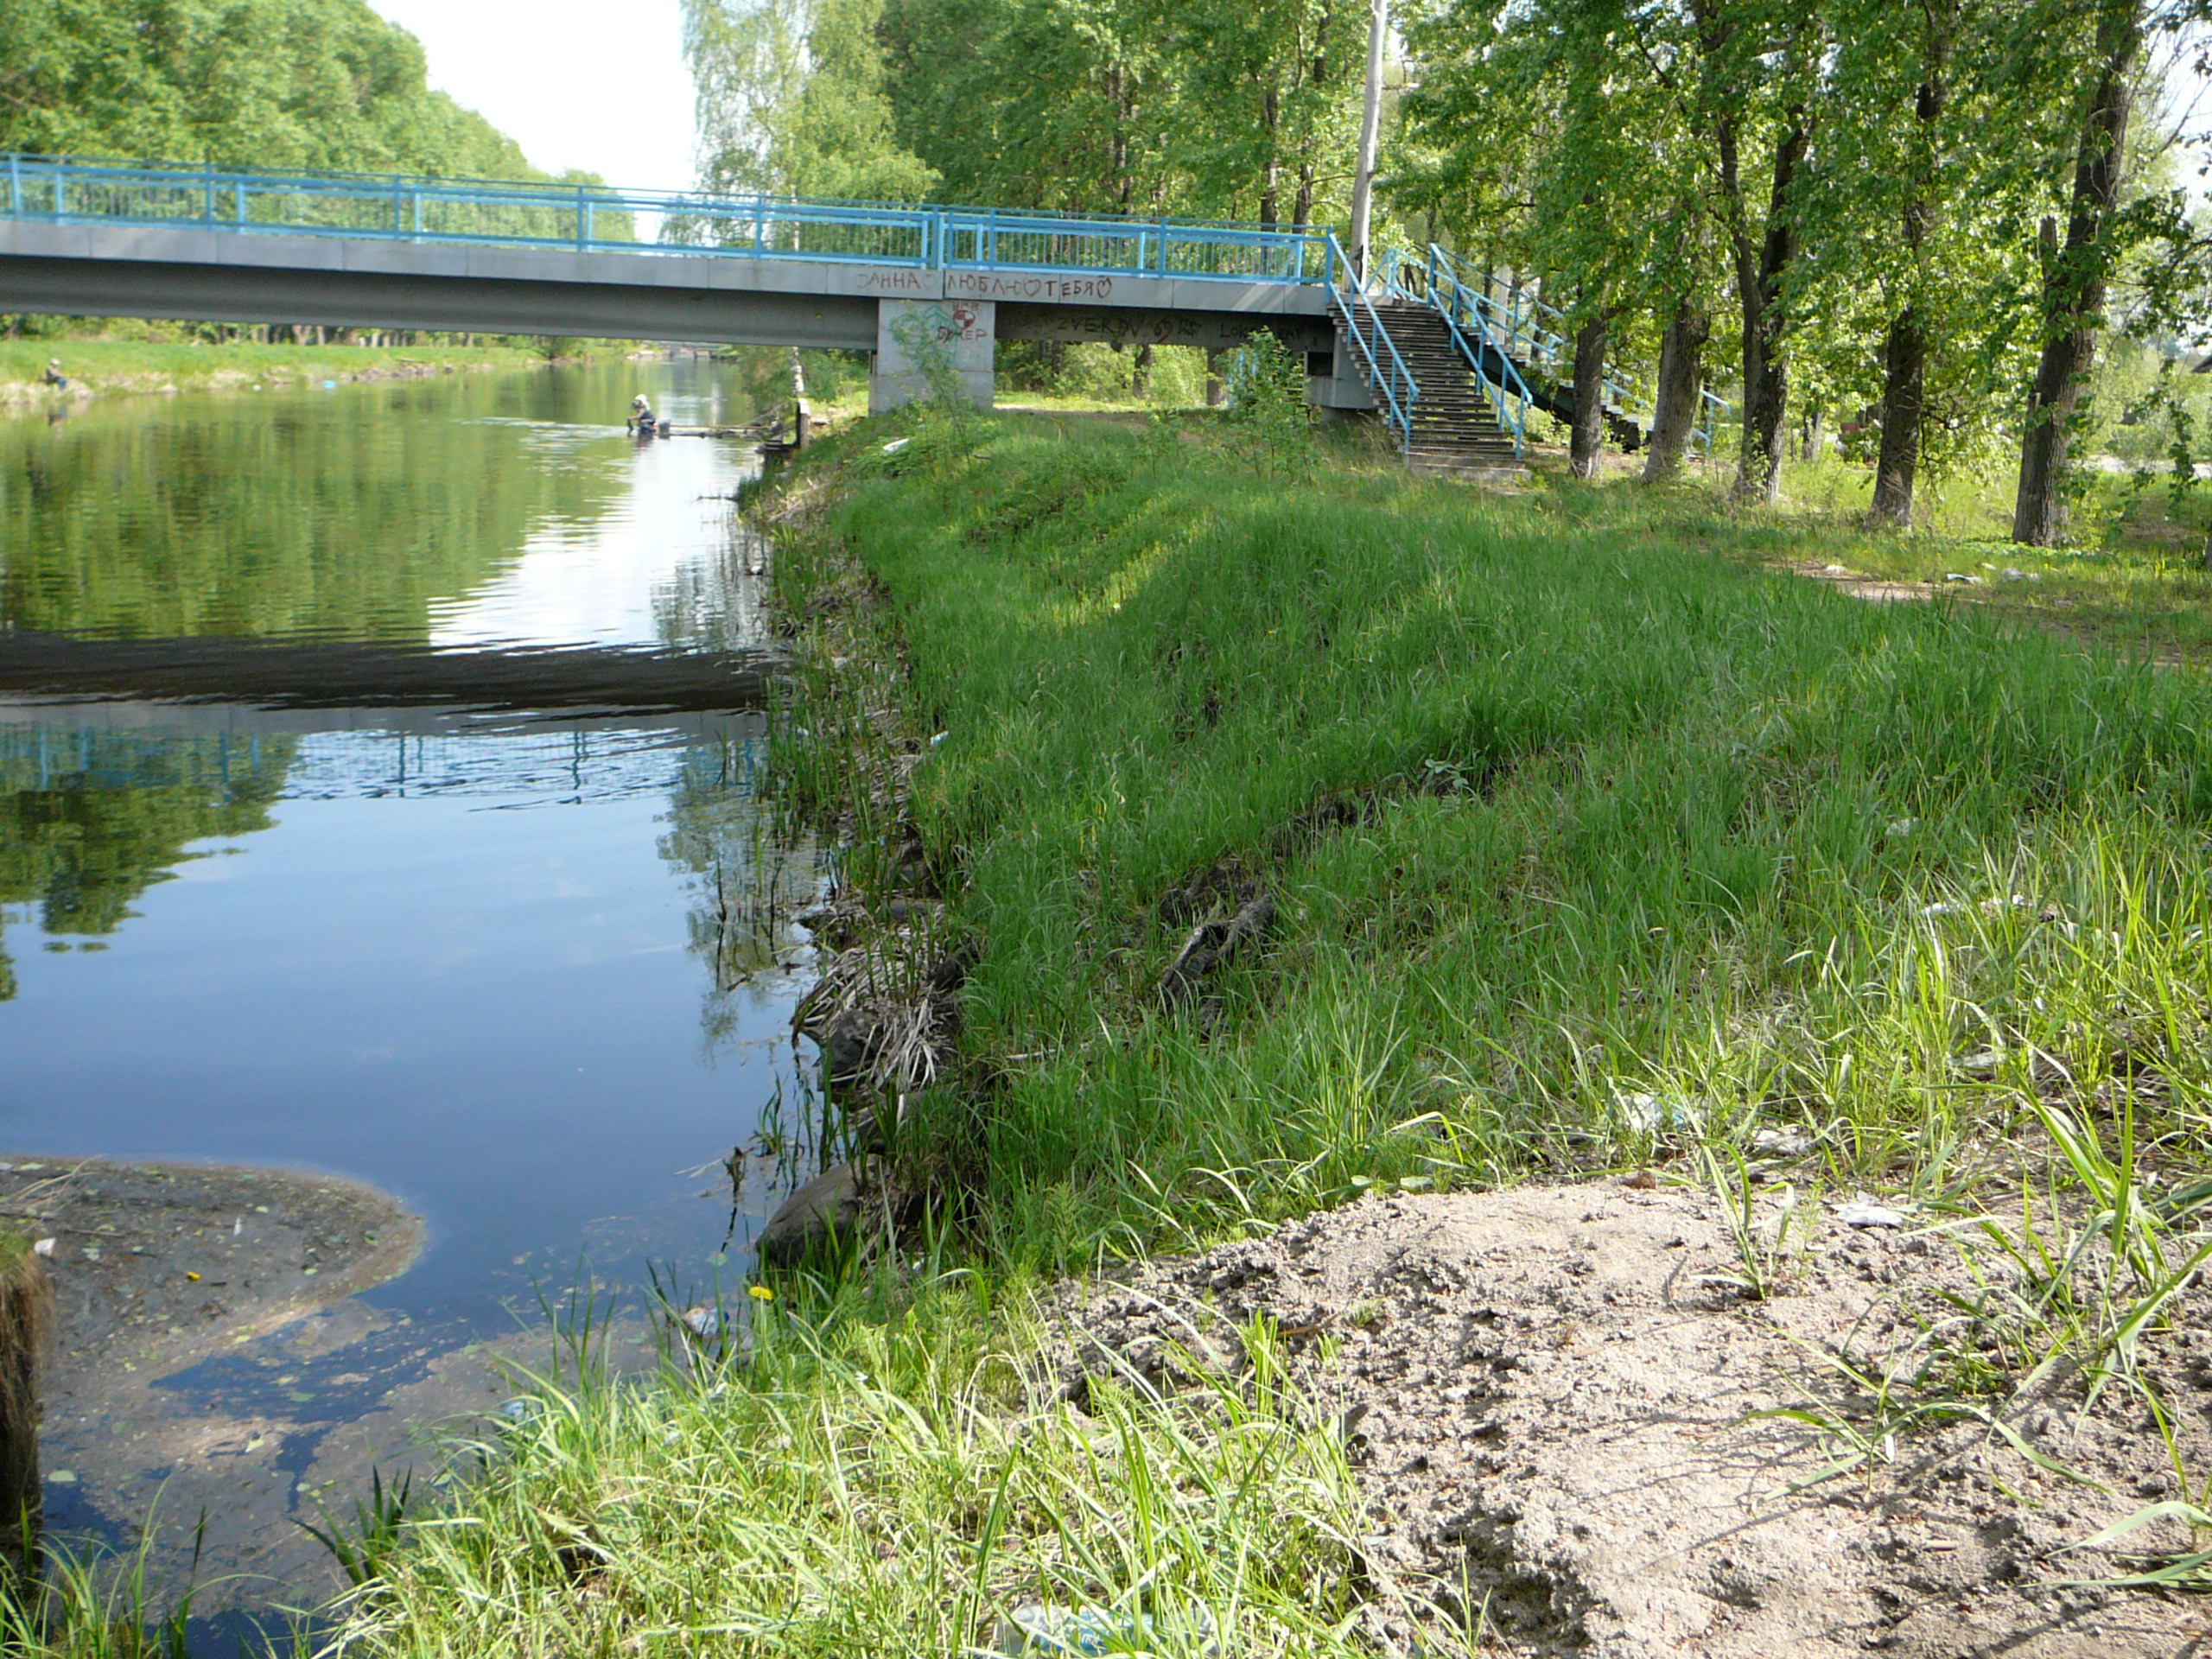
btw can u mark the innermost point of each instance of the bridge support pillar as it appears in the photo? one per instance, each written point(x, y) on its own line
point(959, 334)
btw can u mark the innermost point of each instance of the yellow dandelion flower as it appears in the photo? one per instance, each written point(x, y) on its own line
point(760, 1293)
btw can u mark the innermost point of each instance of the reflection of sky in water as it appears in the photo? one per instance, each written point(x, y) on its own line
point(504, 968)
point(616, 579)
point(493, 1014)
point(506, 1017)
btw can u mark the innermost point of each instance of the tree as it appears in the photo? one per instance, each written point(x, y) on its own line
point(1570, 159)
point(2075, 274)
point(791, 101)
point(325, 85)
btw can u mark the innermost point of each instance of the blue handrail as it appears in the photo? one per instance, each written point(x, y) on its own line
point(1496, 373)
point(1518, 320)
point(1348, 299)
point(600, 217)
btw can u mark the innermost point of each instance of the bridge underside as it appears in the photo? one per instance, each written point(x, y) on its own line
point(90, 270)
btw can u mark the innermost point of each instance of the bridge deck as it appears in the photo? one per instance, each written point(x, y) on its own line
point(86, 239)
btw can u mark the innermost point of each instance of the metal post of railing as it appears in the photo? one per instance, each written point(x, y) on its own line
point(237, 201)
point(15, 185)
point(591, 223)
point(398, 217)
point(60, 190)
point(208, 215)
point(416, 195)
point(583, 237)
point(760, 224)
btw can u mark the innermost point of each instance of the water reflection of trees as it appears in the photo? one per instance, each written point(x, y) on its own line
point(89, 820)
point(330, 516)
point(713, 603)
point(745, 879)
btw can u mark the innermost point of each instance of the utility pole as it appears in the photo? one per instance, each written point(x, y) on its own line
point(1370, 131)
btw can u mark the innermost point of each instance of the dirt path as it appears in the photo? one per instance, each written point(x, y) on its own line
point(1556, 1400)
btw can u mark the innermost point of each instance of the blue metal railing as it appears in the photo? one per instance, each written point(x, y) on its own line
point(1433, 284)
point(600, 217)
point(1521, 318)
point(1386, 371)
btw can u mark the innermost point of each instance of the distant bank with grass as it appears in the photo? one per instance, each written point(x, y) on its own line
point(113, 367)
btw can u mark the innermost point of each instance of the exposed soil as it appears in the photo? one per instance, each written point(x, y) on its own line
point(1553, 1400)
point(1859, 586)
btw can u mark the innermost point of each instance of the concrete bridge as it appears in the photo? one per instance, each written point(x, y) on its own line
point(111, 239)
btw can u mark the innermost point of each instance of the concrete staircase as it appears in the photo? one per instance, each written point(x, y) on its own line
point(1456, 431)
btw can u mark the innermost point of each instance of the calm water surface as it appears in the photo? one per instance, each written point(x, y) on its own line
point(490, 962)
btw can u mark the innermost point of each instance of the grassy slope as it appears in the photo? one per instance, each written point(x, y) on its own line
point(2134, 578)
point(1642, 819)
point(1708, 833)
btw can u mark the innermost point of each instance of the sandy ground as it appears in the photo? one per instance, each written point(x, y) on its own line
point(212, 1357)
point(1554, 1401)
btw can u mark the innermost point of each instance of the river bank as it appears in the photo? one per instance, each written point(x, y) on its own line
point(107, 368)
point(1650, 966)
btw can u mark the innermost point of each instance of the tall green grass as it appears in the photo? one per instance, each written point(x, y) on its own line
point(867, 1488)
point(1635, 818)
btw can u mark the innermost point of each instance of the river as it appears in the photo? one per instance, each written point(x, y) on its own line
point(528, 967)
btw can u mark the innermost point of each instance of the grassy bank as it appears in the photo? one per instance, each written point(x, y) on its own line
point(1571, 837)
point(111, 367)
point(1565, 802)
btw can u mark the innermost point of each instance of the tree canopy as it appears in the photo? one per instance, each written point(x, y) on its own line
point(308, 84)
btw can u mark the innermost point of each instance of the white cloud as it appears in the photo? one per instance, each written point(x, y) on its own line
point(594, 86)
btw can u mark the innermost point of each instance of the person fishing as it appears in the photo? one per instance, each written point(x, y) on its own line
point(641, 416)
point(54, 376)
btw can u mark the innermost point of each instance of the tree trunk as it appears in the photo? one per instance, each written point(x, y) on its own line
point(2074, 282)
point(1371, 128)
point(1217, 387)
point(1759, 273)
point(1586, 439)
point(1267, 191)
point(1681, 376)
point(1141, 371)
point(1904, 383)
point(1905, 358)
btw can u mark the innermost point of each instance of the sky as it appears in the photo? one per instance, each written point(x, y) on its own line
point(590, 86)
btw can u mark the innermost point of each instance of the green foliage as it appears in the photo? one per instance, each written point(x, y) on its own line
point(314, 83)
point(944, 395)
point(790, 100)
point(858, 1485)
point(1132, 105)
point(1267, 394)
